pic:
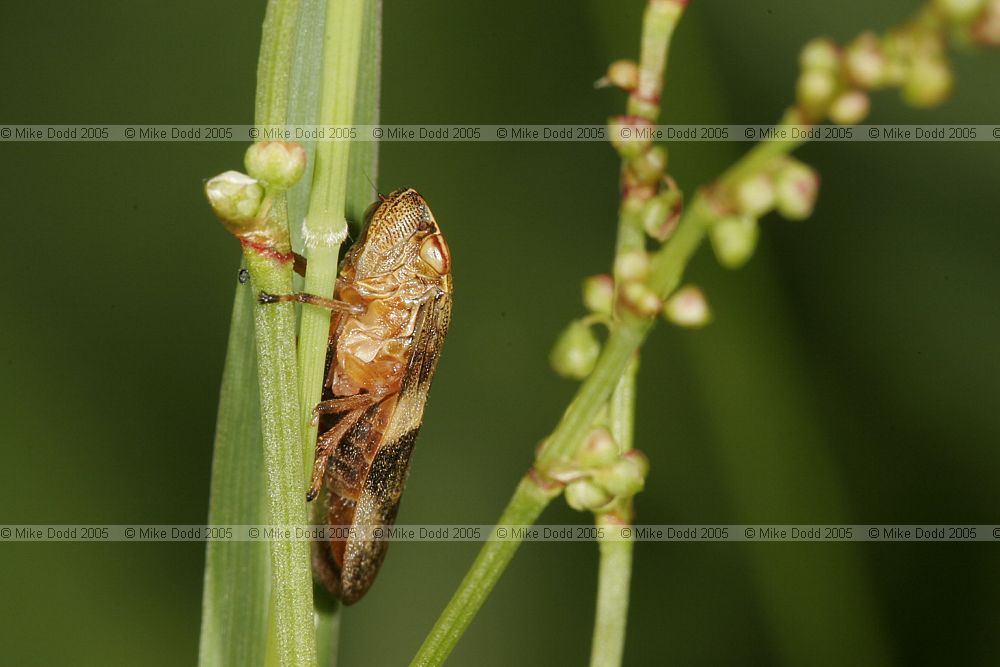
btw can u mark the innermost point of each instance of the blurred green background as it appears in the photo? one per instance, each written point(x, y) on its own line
point(852, 373)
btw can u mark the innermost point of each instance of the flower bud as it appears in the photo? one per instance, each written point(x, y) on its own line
point(661, 214)
point(796, 189)
point(575, 352)
point(864, 61)
point(623, 74)
point(850, 108)
point(599, 449)
point(234, 197)
point(632, 265)
point(986, 29)
point(640, 299)
point(820, 54)
point(650, 166)
point(688, 308)
point(929, 83)
point(755, 195)
point(584, 495)
point(599, 293)
point(734, 239)
point(279, 164)
point(630, 135)
point(959, 11)
point(815, 90)
point(627, 477)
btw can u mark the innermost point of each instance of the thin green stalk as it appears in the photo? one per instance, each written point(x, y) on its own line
point(291, 575)
point(361, 176)
point(615, 545)
point(613, 577)
point(325, 226)
point(530, 499)
point(274, 65)
point(525, 505)
point(253, 435)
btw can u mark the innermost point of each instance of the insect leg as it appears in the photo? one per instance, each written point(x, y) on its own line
point(326, 445)
point(345, 404)
point(312, 299)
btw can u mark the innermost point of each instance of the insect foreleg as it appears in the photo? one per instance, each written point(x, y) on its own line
point(312, 299)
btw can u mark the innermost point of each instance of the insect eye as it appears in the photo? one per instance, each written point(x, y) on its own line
point(435, 253)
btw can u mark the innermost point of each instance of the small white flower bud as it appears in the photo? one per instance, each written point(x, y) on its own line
point(279, 164)
point(626, 477)
point(864, 61)
point(575, 352)
point(820, 53)
point(599, 293)
point(755, 195)
point(815, 90)
point(599, 449)
point(734, 240)
point(585, 496)
point(688, 308)
point(850, 108)
point(623, 74)
point(797, 187)
point(960, 11)
point(633, 265)
point(234, 197)
point(929, 82)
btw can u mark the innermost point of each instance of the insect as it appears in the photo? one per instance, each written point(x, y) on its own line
point(391, 312)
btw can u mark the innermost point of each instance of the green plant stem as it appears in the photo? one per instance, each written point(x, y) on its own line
point(274, 65)
point(615, 567)
point(325, 226)
point(525, 505)
point(291, 576)
point(613, 578)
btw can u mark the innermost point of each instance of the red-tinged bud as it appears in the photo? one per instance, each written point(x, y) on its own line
point(688, 308)
point(850, 108)
point(662, 213)
point(986, 29)
point(630, 135)
point(650, 166)
point(797, 187)
point(864, 61)
point(599, 449)
point(623, 74)
point(638, 298)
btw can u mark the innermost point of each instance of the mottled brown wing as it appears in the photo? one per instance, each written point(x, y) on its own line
point(367, 496)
